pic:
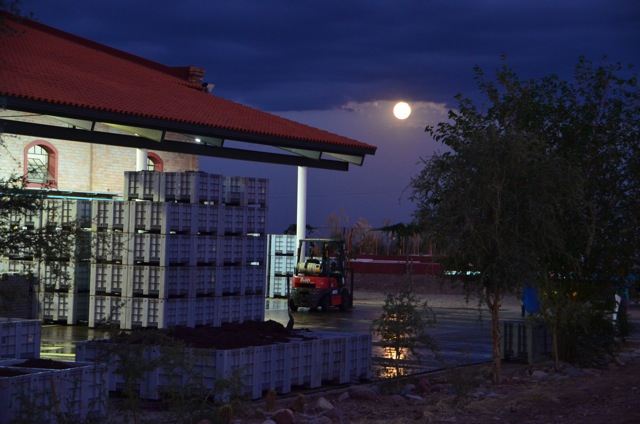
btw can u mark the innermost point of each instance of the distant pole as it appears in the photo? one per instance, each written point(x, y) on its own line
point(141, 159)
point(301, 219)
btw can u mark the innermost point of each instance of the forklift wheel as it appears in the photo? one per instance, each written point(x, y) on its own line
point(292, 305)
point(345, 301)
point(325, 303)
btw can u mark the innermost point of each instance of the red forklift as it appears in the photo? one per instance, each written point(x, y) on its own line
point(320, 277)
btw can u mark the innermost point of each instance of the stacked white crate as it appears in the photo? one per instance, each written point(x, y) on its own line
point(64, 307)
point(319, 357)
point(64, 212)
point(64, 284)
point(191, 244)
point(20, 338)
point(35, 394)
point(66, 300)
point(280, 263)
point(21, 289)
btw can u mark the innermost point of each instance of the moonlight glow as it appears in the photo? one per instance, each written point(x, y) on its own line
point(402, 110)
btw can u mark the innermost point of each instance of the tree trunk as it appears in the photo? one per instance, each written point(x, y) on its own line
point(494, 305)
point(554, 346)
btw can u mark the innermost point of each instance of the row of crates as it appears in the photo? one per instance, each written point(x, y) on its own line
point(64, 308)
point(141, 312)
point(177, 249)
point(70, 245)
point(131, 216)
point(282, 244)
point(77, 391)
point(176, 281)
point(67, 276)
point(53, 213)
point(195, 187)
point(20, 338)
point(167, 217)
point(281, 265)
point(278, 286)
point(525, 340)
point(322, 357)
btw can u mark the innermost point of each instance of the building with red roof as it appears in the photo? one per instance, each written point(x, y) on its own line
point(88, 106)
point(76, 115)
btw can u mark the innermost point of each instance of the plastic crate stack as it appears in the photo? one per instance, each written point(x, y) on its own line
point(318, 358)
point(181, 249)
point(20, 338)
point(280, 263)
point(43, 394)
point(63, 293)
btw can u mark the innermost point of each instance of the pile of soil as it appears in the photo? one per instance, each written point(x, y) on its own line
point(10, 372)
point(48, 364)
point(236, 335)
point(226, 336)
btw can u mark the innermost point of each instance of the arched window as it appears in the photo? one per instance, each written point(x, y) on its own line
point(41, 164)
point(154, 163)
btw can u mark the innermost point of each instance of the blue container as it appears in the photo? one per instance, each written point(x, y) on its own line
point(530, 300)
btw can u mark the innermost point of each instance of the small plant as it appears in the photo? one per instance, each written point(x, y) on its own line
point(299, 403)
point(402, 328)
point(463, 378)
point(226, 414)
point(270, 400)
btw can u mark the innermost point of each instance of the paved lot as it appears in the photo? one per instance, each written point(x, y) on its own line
point(462, 332)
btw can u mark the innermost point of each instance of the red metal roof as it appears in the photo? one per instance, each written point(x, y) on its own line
point(43, 64)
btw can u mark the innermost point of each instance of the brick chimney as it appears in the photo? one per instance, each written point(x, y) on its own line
point(192, 74)
point(195, 74)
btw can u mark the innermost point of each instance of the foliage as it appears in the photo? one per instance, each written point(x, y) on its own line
point(403, 326)
point(490, 207)
point(12, 7)
point(543, 180)
point(293, 228)
point(33, 233)
point(407, 238)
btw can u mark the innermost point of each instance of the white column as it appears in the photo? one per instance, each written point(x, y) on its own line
point(301, 219)
point(141, 159)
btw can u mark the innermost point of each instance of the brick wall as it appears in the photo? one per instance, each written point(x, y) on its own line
point(86, 166)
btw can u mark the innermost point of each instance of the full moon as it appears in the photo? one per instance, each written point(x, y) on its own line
point(402, 110)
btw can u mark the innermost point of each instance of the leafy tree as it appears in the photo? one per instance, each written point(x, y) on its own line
point(403, 326)
point(516, 197)
point(592, 124)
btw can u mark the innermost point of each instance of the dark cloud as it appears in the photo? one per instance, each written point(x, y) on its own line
point(291, 55)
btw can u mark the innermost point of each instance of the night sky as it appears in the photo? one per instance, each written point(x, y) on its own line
point(341, 66)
